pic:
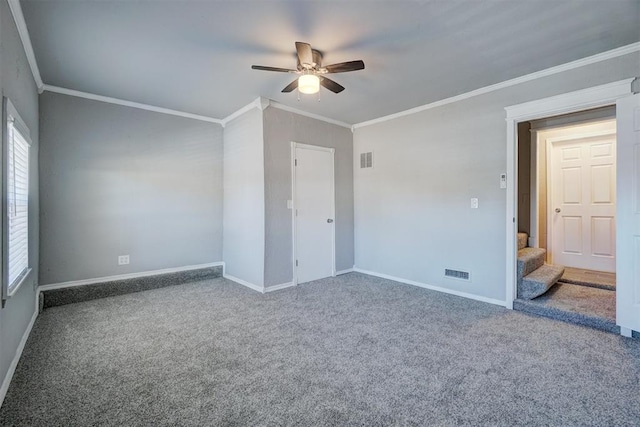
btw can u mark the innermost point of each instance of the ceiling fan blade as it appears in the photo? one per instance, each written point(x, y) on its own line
point(291, 86)
point(305, 54)
point(281, 70)
point(344, 67)
point(331, 85)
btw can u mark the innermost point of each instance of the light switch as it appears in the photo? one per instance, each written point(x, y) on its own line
point(474, 203)
point(289, 204)
point(503, 180)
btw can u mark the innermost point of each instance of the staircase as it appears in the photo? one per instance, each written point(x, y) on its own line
point(534, 276)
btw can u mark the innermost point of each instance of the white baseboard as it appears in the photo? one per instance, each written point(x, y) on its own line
point(626, 332)
point(14, 363)
point(128, 276)
point(433, 288)
point(245, 283)
point(278, 287)
point(348, 270)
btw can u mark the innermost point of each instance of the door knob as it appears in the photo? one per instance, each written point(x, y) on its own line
point(558, 210)
point(329, 220)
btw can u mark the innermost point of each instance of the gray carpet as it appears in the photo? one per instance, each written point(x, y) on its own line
point(353, 350)
point(539, 281)
point(582, 305)
point(55, 297)
point(581, 299)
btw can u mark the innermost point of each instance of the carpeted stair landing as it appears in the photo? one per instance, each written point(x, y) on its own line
point(570, 295)
point(582, 305)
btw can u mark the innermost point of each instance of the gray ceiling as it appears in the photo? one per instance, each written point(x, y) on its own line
point(195, 56)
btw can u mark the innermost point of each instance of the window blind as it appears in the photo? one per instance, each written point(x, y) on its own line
point(17, 205)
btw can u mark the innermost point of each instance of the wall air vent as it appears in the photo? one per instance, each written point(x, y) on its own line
point(366, 160)
point(457, 274)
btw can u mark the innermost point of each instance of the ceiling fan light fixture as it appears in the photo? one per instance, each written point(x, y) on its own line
point(308, 84)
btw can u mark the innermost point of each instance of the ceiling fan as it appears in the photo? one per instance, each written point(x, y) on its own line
point(312, 72)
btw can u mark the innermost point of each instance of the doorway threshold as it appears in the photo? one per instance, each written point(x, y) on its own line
point(594, 279)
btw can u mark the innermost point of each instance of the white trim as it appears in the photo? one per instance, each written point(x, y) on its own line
point(431, 287)
point(23, 278)
point(110, 100)
point(294, 146)
point(311, 115)
point(348, 270)
point(84, 282)
point(626, 332)
point(593, 97)
point(18, 17)
point(245, 283)
point(597, 96)
point(259, 103)
point(16, 358)
point(293, 211)
point(278, 287)
point(610, 54)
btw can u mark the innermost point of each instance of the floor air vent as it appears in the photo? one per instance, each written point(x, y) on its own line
point(457, 274)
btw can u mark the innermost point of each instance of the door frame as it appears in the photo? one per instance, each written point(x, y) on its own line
point(594, 97)
point(550, 145)
point(295, 145)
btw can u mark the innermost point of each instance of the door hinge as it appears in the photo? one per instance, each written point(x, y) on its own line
point(296, 263)
point(295, 162)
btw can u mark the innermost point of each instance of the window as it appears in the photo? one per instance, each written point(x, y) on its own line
point(16, 201)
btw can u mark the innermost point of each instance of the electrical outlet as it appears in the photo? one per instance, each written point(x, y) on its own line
point(123, 259)
point(474, 203)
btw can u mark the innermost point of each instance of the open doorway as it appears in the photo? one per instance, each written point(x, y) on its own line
point(624, 96)
point(566, 217)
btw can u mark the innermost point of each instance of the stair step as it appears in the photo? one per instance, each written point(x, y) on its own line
point(523, 239)
point(539, 281)
point(529, 260)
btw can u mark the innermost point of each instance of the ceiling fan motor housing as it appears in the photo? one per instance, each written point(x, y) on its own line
point(312, 73)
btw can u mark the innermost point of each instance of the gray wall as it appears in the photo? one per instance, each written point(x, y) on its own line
point(280, 128)
point(18, 85)
point(117, 180)
point(244, 198)
point(412, 210)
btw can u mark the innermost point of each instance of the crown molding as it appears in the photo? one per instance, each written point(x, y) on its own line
point(593, 97)
point(107, 99)
point(262, 103)
point(310, 115)
point(18, 17)
point(259, 103)
point(610, 54)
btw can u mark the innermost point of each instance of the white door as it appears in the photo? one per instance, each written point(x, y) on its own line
point(313, 202)
point(628, 263)
point(583, 198)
